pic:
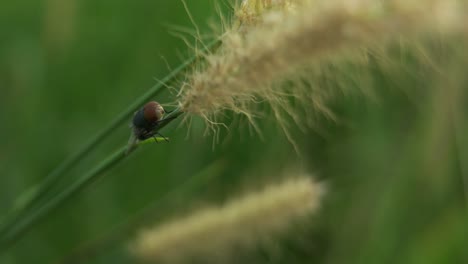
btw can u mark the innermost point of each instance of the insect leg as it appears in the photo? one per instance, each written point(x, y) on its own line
point(165, 138)
point(155, 139)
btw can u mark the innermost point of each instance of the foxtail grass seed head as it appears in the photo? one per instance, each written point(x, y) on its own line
point(241, 223)
point(251, 11)
point(254, 63)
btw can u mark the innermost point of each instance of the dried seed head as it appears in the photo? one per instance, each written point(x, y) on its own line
point(240, 224)
point(250, 12)
point(253, 64)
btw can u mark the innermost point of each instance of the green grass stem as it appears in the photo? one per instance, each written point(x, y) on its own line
point(7, 236)
point(17, 220)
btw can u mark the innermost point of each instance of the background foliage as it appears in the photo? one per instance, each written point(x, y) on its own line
point(394, 164)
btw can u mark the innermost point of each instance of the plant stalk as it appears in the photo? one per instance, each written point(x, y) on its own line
point(8, 236)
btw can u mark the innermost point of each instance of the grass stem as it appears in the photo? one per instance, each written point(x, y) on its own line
point(34, 204)
point(9, 235)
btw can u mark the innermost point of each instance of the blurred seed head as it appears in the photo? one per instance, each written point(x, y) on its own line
point(215, 233)
point(271, 59)
point(250, 12)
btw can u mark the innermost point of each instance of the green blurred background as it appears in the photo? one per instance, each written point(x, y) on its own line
point(394, 164)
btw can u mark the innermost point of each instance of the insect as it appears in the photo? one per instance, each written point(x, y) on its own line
point(145, 123)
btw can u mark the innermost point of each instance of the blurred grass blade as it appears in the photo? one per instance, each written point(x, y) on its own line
point(190, 186)
point(69, 163)
point(9, 233)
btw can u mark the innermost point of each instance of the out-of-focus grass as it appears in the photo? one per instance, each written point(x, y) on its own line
point(394, 165)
